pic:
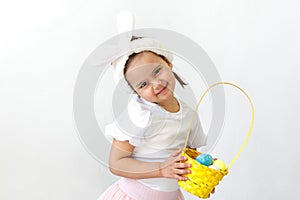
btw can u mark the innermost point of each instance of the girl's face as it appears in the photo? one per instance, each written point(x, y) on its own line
point(151, 77)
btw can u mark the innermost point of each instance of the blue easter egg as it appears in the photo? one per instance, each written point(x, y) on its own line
point(205, 159)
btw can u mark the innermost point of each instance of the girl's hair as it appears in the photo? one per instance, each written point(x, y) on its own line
point(131, 57)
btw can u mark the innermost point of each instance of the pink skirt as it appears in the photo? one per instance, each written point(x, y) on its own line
point(130, 189)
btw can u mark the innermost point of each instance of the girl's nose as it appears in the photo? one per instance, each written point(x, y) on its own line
point(156, 83)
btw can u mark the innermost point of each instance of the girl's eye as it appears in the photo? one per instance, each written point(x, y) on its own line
point(157, 71)
point(143, 84)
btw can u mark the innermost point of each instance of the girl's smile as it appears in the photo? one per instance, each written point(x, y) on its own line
point(163, 90)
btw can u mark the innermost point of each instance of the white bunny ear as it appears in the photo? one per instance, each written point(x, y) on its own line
point(125, 22)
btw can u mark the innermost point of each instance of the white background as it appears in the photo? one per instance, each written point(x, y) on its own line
point(43, 44)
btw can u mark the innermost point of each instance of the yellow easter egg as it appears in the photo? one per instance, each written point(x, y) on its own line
point(220, 164)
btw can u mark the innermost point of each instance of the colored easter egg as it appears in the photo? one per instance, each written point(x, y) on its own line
point(220, 164)
point(215, 167)
point(205, 159)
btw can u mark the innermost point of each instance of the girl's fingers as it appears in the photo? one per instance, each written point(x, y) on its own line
point(177, 153)
point(182, 165)
point(178, 159)
point(182, 171)
point(181, 158)
point(181, 178)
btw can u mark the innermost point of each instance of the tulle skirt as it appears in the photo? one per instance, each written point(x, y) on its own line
point(129, 189)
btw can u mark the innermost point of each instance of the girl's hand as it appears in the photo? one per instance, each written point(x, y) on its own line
point(174, 167)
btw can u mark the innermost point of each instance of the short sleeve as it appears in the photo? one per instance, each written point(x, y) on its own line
point(113, 131)
point(197, 136)
point(131, 124)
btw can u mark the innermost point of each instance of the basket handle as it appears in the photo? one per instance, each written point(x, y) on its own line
point(251, 124)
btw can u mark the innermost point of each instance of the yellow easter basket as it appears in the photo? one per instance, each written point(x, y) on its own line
point(203, 179)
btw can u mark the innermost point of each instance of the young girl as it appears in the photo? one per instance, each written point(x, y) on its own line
point(147, 141)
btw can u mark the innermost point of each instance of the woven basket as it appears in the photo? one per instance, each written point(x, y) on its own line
point(203, 179)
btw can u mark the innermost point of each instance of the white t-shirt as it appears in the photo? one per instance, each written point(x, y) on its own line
point(156, 134)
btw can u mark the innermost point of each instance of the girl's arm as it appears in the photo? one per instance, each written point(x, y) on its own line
point(122, 164)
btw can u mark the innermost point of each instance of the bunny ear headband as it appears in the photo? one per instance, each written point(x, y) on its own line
point(125, 23)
